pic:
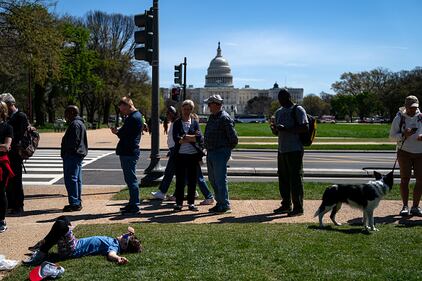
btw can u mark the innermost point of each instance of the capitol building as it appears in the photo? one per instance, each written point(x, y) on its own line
point(219, 80)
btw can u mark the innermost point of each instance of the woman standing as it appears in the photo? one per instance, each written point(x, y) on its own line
point(187, 135)
point(6, 134)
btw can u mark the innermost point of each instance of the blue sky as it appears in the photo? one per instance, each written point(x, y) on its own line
point(302, 43)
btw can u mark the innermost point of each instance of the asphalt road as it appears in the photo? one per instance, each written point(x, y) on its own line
point(260, 166)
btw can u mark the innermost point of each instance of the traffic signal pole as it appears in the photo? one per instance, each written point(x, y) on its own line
point(154, 170)
point(184, 78)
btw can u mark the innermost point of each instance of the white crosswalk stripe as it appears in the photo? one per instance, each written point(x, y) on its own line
point(45, 167)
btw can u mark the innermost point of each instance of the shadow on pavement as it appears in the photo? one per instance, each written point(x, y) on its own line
point(251, 219)
point(391, 219)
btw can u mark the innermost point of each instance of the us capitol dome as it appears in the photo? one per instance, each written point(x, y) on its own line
point(219, 72)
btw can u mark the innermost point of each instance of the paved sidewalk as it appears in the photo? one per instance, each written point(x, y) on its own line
point(99, 139)
point(44, 204)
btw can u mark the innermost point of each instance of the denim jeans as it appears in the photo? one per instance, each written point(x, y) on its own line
point(290, 179)
point(170, 171)
point(128, 164)
point(217, 174)
point(72, 169)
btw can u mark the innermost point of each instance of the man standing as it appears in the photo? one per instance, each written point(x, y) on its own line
point(19, 123)
point(220, 138)
point(406, 129)
point(74, 148)
point(290, 121)
point(128, 150)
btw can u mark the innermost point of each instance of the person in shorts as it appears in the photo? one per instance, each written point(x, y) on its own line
point(406, 129)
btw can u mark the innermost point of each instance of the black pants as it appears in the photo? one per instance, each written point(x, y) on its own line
point(290, 179)
point(58, 230)
point(186, 167)
point(3, 197)
point(15, 194)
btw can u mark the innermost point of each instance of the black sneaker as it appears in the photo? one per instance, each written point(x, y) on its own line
point(124, 208)
point(72, 208)
point(131, 210)
point(3, 226)
point(192, 207)
point(282, 210)
point(177, 208)
point(214, 209)
point(295, 213)
point(16, 212)
point(224, 210)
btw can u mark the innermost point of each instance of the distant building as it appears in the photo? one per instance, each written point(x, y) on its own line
point(219, 80)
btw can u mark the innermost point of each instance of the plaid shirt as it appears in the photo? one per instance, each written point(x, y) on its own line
point(220, 132)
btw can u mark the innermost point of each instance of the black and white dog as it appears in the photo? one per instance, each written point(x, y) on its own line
point(363, 196)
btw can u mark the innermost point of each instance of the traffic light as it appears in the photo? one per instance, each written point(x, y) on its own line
point(175, 94)
point(178, 74)
point(144, 36)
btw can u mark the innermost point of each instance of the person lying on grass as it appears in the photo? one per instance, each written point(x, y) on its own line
point(70, 247)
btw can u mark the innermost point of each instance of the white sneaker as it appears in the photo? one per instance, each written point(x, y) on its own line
point(158, 195)
point(209, 201)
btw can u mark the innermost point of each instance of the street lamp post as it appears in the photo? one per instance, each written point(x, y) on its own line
point(154, 170)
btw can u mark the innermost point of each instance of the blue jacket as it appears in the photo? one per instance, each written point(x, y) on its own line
point(130, 135)
point(74, 141)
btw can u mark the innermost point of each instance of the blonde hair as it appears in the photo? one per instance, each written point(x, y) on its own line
point(3, 111)
point(188, 102)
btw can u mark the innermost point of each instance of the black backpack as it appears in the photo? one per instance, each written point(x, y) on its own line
point(308, 137)
point(29, 143)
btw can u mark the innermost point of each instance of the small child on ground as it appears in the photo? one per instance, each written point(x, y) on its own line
point(70, 247)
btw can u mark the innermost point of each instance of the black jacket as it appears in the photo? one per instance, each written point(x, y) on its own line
point(74, 141)
point(178, 133)
point(19, 123)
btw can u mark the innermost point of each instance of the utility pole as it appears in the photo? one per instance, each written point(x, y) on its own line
point(184, 79)
point(149, 37)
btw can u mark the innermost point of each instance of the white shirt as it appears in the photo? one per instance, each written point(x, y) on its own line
point(411, 144)
point(170, 140)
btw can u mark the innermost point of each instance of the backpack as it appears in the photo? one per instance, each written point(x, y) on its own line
point(29, 143)
point(308, 137)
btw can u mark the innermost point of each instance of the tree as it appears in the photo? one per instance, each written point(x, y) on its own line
point(315, 106)
point(344, 106)
point(259, 105)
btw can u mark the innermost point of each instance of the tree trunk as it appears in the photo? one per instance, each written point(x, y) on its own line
point(39, 104)
point(106, 111)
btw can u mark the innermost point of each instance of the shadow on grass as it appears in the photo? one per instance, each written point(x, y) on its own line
point(391, 219)
point(340, 229)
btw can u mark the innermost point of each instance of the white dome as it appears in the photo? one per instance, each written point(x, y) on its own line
point(219, 72)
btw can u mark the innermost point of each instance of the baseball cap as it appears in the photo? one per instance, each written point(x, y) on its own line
point(46, 269)
point(214, 99)
point(411, 101)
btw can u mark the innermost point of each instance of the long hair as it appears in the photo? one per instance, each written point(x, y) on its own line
point(3, 111)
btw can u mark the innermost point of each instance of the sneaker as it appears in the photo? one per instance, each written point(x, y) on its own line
point(295, 213)
point(131, 210)
point(224, 210)
point(209, 201)
point(214, 209)
point(16, 212)
point(404, 211)
point(72, 208)
point(36, 258)
point(177, 208)
point(282, 210)
point(416, 211)
point(171, 198)
point(3, 226)
point(192, 207)
point(158, 195)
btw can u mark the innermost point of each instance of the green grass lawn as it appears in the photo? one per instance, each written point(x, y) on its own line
point(253, 252)
point(257, 191)
point(323, 130)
